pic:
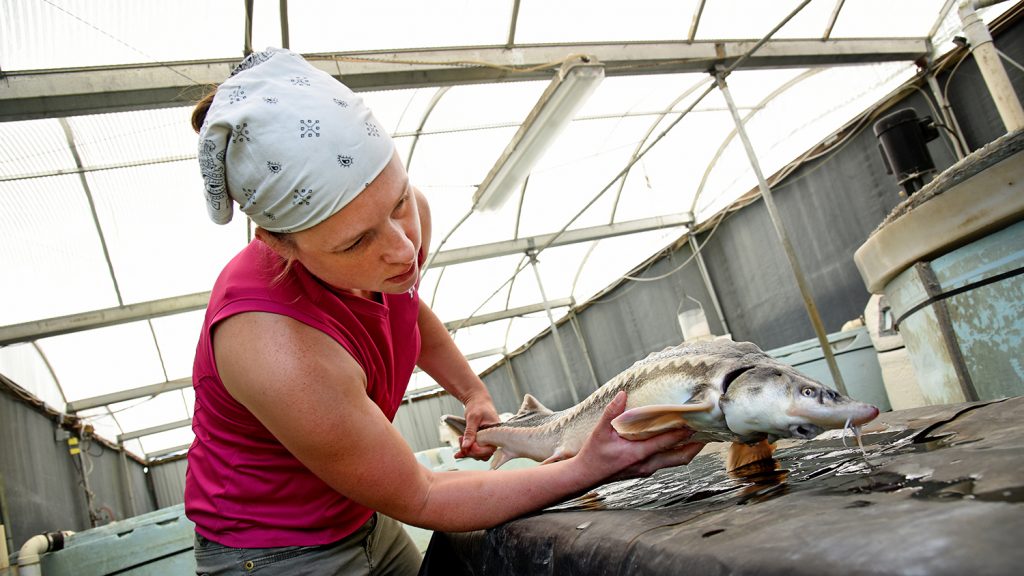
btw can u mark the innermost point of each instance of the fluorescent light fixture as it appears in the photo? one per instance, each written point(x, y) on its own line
point(575, 82)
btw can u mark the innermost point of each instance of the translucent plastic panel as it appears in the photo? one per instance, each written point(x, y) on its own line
point(177, 336)
point(126, 137)
point(484, 105)
point(420, 381)
point(753, 19)
point(795, 121)
point(582, 21)
point(810, 22)
point(22, 364)
point(526, 328)
point(33, 147)
point(585, 160)
point(509, 333)
point(398, 110)
point(177, 438)
point(467, 289)
point(666, 179)
point(51, 248)
point(328, 26)
point(881, 18)
point(74, 33)
point(104, 423)
point(142, 413)
point(448, 168)
point(634, 95)
point(611, 258)
point(105, 360)
point(161, 241)
point(134, 447)
point(482, 337)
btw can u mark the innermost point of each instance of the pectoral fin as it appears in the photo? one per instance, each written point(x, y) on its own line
point(646, 421)
point(743, 454)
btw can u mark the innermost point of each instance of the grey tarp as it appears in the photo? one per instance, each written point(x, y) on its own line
point(940, 493)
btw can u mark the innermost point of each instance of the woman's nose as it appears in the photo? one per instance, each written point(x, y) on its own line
point(400, 249)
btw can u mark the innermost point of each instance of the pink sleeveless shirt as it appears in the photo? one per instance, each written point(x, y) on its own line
point(242, 487)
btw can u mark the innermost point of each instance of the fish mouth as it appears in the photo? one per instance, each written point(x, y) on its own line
point(805, 431)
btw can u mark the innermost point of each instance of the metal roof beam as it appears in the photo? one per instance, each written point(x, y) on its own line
point(504, 314)
point(30, 94)
point(151, 456)
point(29, 331)
point(521, 245)
point(124, 395)
point(121, 438)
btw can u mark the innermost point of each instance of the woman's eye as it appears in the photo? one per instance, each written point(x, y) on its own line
point(354, 245)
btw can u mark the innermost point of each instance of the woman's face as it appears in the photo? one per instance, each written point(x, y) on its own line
point(372, 243)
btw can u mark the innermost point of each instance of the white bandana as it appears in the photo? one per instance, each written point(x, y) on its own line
point(287, 142)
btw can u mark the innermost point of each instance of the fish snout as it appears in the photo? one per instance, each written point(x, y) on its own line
point(865, 413)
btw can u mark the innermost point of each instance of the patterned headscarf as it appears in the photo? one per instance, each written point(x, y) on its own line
point(287, 142)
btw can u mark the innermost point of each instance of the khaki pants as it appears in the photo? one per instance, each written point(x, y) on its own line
point(379, 547)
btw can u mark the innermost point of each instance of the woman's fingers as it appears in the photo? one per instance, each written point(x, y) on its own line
point(669, 458)
point(475, 416)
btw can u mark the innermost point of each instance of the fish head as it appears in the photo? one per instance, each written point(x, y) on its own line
point(776, 400)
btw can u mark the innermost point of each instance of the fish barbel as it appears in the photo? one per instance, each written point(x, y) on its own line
point(724, 391)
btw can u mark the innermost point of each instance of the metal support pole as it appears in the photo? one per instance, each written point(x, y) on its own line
point(512, 378)
point(780, 230)
point(583, 346)
point(127, 481)
point(285, 41)
point(554, 329)
point(707, 282)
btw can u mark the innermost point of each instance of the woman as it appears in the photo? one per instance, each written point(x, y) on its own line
point(310, 337)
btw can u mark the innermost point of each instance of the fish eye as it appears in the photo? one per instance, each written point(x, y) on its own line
point(808, 392)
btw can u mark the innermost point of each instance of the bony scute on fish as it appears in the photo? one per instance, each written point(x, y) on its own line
point(724, 391)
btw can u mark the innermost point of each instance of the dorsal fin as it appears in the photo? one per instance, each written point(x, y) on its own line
point(530, 407)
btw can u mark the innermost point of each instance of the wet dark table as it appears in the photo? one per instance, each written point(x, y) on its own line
point(941, 492)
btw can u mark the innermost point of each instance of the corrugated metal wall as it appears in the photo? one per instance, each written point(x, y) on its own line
point(41, 484)
point(168, 479)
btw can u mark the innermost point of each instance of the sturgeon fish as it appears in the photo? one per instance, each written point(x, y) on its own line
point(724, 391)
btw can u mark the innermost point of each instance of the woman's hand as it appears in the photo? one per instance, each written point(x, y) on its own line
point(605, 451)
point(479, 411)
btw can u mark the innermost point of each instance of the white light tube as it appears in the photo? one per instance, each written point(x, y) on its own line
point(571, 87)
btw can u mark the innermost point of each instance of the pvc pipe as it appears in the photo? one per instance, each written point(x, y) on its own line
point(987, 58)
point(28, 556)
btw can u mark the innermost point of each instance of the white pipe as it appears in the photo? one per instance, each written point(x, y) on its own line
point(28, 556)
point(987, 57)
